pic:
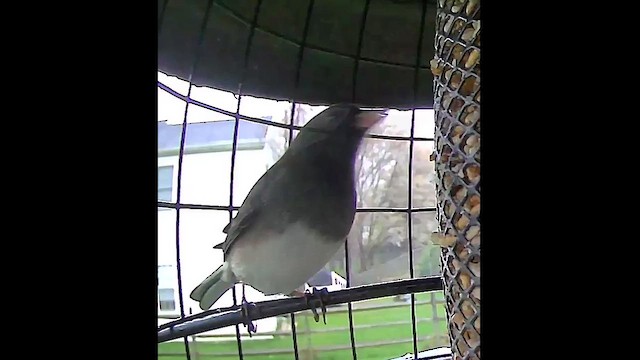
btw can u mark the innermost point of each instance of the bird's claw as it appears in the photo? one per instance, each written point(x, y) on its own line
point(247, 320)
point(319, 296)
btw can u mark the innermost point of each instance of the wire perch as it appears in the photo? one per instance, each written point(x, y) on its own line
point(230, 316)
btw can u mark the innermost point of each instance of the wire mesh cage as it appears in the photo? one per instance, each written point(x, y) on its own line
point(402, 81)
point(456, 67)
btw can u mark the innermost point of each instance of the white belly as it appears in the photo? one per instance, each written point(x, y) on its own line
point(279, 264)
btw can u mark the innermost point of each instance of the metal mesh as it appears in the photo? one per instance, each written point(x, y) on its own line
point(410, 209)
point(456, 69)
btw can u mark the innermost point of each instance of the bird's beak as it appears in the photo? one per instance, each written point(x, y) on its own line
point(368, 118)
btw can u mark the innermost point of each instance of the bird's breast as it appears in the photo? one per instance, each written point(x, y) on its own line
point(278, 263)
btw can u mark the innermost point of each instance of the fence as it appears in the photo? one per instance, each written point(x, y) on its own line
point(375, 318)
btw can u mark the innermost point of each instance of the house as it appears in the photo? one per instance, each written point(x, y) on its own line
point(205, 180)
point(326, 279)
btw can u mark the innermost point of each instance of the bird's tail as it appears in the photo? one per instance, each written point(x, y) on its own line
point(212, 288)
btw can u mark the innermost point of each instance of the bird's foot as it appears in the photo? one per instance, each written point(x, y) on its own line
point(245, 314)
point(318, 296)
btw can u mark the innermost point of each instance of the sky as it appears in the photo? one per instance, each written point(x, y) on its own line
point(171, 108)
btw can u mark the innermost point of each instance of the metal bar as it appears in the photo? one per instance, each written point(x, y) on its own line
point(410, 178)
point(319, 349)
point(170, 205)
point(178, 190)
point(304, 314)
point(194, 341)
point(266, 309)
point(183, 136)
point(329, 311)
point(269, 122)
point(230, 209)
point(305, 31)
point(327, 330)
point(354, 82)
point(235, 145)
point(294, 336)
point(350, 310)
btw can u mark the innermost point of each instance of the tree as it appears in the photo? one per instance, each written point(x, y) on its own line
point(378, 241)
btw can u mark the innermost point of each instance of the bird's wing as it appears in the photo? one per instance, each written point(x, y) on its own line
point(251, 208)
point(238, 225)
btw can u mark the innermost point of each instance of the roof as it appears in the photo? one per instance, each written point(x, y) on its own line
point(322, 277)
point(209, 135)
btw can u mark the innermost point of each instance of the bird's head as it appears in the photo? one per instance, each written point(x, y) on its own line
point(345, 118)
point(340, 125)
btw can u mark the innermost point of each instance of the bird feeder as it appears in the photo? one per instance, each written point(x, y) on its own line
point(398, 54)
point(456, 69)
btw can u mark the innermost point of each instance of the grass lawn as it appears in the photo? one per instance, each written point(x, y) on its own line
point(309, 345)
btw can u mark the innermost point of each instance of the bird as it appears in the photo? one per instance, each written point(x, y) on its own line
point(298, 214)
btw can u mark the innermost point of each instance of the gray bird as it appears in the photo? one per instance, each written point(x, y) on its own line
point(298, 214)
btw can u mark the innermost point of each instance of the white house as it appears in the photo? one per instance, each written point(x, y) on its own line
point(326, 279)
point(205, 179)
